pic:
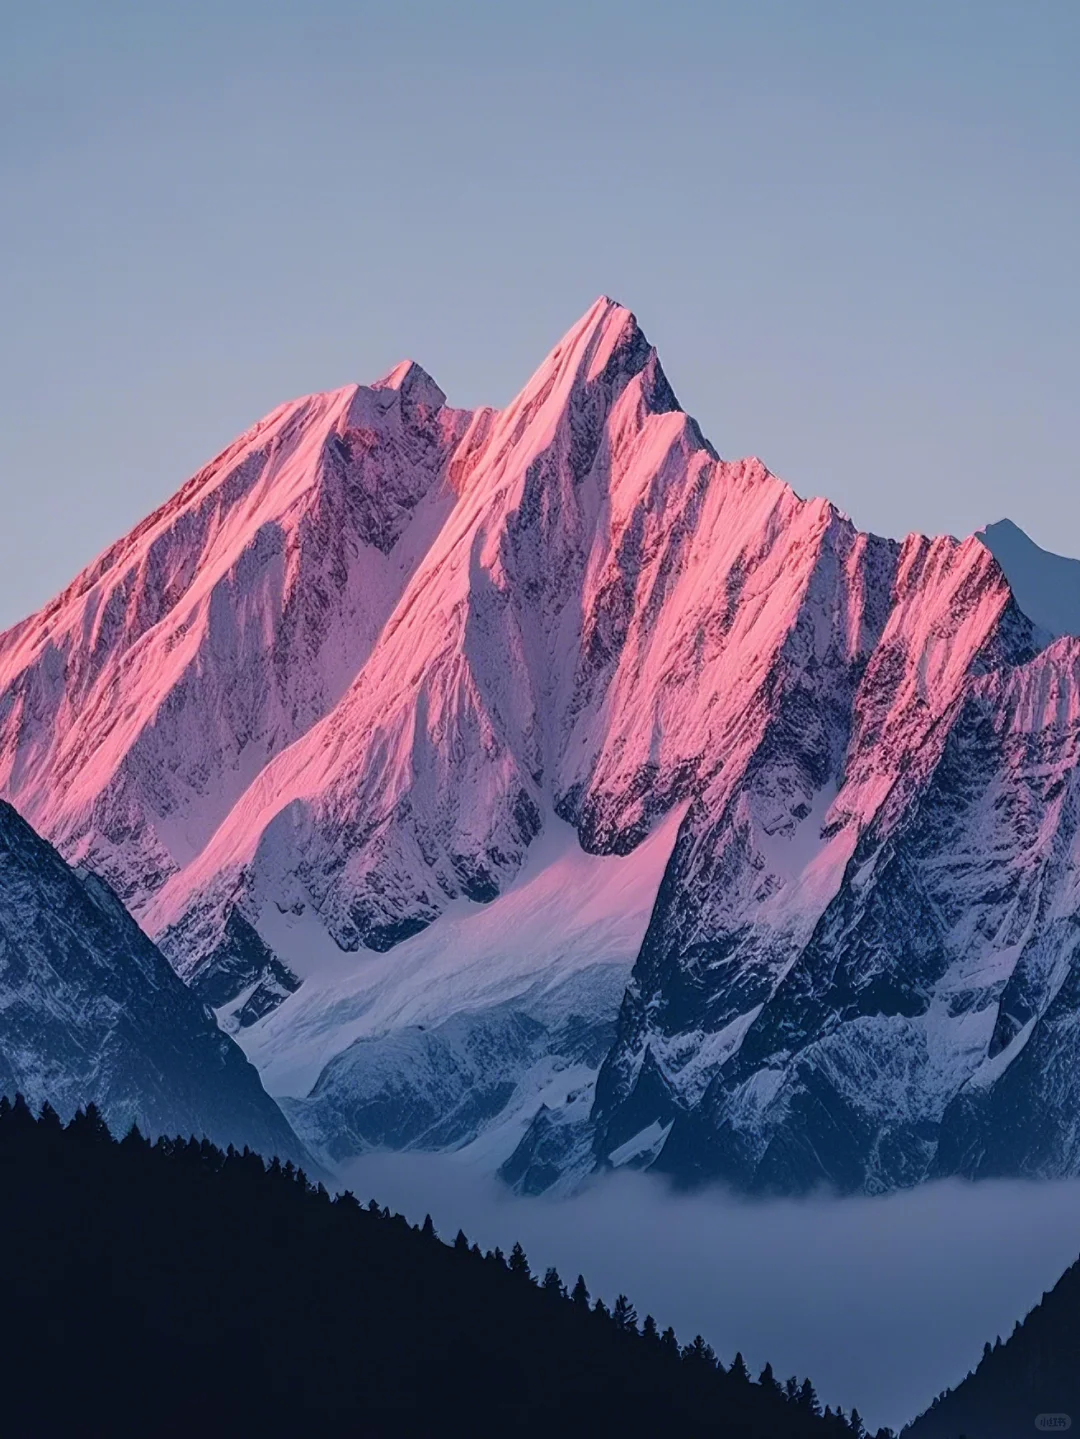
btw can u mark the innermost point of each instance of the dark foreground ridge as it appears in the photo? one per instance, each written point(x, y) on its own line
point(175, 1288)
point(1028, 1385)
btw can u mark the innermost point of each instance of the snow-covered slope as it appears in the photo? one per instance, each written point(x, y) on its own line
point(138, 706)
point(458, 1035)
point(91, 1010)
point(409, 731)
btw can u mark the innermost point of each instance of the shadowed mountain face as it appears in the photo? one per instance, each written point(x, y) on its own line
point(1028, 1385)
point(92, 1011)
point(1046, 586)
point(538, 780)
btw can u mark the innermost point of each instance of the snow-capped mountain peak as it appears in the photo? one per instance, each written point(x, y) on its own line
point(413, 383)
point(384, 667)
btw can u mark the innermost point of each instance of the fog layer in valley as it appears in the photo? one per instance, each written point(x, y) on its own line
point(882, 1301)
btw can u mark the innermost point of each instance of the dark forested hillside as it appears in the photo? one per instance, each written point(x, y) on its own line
point(1028, 1385)
point(168, 1288)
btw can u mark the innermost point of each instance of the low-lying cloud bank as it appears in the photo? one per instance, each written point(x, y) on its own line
point(883, 1302)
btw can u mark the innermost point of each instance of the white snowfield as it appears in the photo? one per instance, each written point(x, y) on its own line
point(536, 784)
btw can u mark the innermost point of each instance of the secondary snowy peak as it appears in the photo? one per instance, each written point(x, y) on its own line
point(414, 384)
point(138, 705)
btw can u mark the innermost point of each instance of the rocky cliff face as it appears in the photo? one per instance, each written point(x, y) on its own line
point(448, 754)
point(770, 998)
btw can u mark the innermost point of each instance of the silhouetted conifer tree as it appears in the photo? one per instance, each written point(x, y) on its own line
point(808, 1399)
point(49, 1120)
point(519, 1265)
point(768, 1380)
point(88, 1125)
point(20, 1116)
point(120, 1252)
point(699, 1354)
point(134, 1141)
point(553, 1285)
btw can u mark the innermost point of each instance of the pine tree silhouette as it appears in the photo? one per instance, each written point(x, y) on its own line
point(89, 1126)
point(329, 1311)
point(49, 1120)
point(808, 1399)
point(20, 1117)
point(519, 1265)
point(553, 1285)
point(699, 1354)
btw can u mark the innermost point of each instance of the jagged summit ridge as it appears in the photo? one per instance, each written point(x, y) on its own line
point(502, 582)
point(386, 666)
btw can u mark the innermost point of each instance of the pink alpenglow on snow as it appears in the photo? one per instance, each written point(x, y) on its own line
point(366, 723)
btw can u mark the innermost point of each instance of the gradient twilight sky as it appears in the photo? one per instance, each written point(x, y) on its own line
point(851, 227)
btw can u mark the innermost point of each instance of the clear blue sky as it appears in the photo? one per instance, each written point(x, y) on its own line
point(852, 227)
